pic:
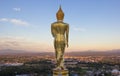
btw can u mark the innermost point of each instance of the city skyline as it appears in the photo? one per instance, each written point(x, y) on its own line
point(26, 25)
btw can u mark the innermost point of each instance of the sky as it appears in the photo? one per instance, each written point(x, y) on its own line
point(26, 24)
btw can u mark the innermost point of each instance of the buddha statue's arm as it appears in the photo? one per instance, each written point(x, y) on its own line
point(67, 35)
point(52, 31)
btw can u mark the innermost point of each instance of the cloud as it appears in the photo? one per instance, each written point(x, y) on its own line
point(79, 29)
point(18, 22)
point(15, 21)
point(14, 44)
point(3, 19)
point(21, 43)
point(17, 9)
point(11, 41)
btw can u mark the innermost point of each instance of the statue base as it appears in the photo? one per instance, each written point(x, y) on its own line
point(61, 72)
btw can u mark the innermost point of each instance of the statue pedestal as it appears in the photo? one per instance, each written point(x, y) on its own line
point(60, 73)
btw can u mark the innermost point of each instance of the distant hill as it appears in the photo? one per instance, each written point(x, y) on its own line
point(10, 51)
point(95, 53)
point(83, 53)
point(23, 52)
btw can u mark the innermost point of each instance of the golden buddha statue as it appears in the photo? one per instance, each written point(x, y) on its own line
point(60, 31)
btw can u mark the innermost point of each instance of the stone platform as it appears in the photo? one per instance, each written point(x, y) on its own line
point(60, 72)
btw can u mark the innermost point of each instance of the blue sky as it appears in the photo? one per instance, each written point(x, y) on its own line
point(25, 24)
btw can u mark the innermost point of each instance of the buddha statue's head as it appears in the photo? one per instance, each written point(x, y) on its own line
point(60, 14)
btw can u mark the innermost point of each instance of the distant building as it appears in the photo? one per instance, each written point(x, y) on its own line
point(83, 66)
point(13, 64)
point(115, 72)
point(71, 63)
point(119, 73)
point(24, 75)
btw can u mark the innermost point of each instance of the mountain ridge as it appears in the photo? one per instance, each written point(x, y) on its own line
point(76, 53)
